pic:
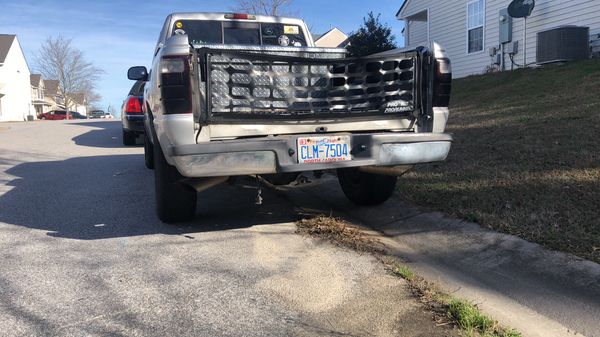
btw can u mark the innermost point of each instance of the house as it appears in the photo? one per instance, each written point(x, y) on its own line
point(15, 88)
point(53, 95)
point(469, 30)
point(38, 96)
point(334, 38)
point(79, 103)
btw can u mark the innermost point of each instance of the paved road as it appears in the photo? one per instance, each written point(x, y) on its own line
point(81, 253)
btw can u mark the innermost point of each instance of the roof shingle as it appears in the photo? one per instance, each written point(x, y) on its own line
point(6, 41)
point(35, 80)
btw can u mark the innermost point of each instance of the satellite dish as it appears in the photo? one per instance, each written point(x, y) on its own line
point(521, 8)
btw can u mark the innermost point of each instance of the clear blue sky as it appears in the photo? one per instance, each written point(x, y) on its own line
point(115, 35)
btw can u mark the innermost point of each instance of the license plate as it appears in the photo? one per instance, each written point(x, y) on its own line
point(316, 150)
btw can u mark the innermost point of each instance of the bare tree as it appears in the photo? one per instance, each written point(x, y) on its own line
point(91, 96)
point(264, 7)
point(58, 59)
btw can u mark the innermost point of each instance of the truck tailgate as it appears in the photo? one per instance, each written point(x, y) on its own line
point(243, 86)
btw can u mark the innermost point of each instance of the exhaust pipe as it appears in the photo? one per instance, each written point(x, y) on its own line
point(386, 170)
point(203, 184)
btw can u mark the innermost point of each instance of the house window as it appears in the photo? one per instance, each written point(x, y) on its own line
point(475, 21)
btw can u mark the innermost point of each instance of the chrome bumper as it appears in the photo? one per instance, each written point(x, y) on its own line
point(278, 154)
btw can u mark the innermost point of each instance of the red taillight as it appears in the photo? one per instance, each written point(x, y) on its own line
point(133, 105)
point(240, 17)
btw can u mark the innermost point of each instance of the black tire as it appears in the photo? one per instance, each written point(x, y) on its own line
point(128, 138)
point(148, 153)
point(366, 189)
point(175, 201)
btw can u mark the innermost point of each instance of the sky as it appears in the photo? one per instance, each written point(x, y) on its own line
point(115, 35)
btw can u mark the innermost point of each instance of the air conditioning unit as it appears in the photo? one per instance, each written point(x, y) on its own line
point(565, 43)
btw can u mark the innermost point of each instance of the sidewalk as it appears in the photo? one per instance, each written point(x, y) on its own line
point(522, 285)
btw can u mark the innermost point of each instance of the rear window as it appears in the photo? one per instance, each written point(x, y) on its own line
point(240, 32)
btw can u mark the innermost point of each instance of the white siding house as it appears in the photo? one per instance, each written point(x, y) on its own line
point(15, 87)
point(469, 28)
point(334, 38)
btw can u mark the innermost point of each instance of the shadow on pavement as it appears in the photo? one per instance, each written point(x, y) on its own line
point(106, 134)
point(93, 198)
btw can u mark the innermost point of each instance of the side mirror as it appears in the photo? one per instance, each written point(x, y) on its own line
point(137, 74)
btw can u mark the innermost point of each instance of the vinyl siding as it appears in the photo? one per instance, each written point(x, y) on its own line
point(417, 33)
point(448, 27)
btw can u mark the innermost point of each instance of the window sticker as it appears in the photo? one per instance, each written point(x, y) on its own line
point(179, 24)
point(293, 30)
point(284, 41)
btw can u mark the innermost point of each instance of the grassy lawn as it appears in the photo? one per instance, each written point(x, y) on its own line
point(526, 157)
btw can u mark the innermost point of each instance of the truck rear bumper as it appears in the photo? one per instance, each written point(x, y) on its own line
point(278, 154)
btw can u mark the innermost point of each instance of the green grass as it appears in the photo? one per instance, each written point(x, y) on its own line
point(526, 158)
point(472, 321)
point(468, 317)
point(403, 272)
point(463, 314)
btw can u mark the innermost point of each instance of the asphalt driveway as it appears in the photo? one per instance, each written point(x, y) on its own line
point(82, 253)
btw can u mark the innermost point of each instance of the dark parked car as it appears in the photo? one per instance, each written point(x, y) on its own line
point(77, 115)
point(56, 115)
point(132, 116)
point(95, 114)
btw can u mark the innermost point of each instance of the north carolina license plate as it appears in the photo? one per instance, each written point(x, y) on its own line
point(315, 150)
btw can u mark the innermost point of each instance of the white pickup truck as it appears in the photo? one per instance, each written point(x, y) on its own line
point(239, 94)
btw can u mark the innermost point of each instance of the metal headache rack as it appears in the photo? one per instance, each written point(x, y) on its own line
point(247, 85)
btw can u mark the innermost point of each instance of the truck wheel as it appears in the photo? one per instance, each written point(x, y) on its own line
point(128, 138)
point(366, 189)
point(148, 153)
point(175, 201)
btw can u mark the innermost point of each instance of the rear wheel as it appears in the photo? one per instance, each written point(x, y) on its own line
point(128, 138)
point(148, 153)
point(175, 201)
point(366, 189)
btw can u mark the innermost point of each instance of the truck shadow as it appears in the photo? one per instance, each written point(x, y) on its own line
point(92, 198)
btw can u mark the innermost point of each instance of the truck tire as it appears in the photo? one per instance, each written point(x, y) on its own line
point(148, 153)
point(175, 201)
point(128, 138)
point(366, 189)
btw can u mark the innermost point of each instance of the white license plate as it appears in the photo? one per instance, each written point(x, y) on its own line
point(316, 150)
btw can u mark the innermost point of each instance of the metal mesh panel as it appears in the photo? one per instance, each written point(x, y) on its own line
point(244, 85)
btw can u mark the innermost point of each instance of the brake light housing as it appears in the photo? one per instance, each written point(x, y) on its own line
point(133, 106)
point(176, 84)
point(442, 81)
point(238, 16)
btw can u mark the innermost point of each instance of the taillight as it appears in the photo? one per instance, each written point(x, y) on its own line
point(133, 106)
point(442, 84)
point(240, 16)
point(176, 84)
